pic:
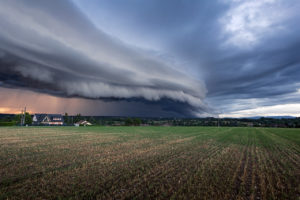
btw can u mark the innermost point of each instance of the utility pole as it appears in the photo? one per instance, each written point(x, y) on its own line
point(24, 115)
point(21, 122)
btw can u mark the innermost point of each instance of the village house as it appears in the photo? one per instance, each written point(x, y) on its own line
point(47, 119)
point(83, 123)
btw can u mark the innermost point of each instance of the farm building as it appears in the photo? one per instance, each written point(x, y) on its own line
point(83, 123)
point(47, 119)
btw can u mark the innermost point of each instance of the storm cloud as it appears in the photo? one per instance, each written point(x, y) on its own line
point(54, 45)
point(182, 58)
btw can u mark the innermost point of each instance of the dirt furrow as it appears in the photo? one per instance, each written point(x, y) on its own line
point(267, 175)
point(257, 179)
point(241, 169)
point(249, 173)
point(283, 180)
point(171, 171)
point(290, 156)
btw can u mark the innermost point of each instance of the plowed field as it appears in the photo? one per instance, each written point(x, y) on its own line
point(149, 163)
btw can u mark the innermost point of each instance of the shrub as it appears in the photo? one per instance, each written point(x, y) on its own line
point(7, 123)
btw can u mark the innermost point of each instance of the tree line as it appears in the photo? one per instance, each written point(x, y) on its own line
point(11, 120)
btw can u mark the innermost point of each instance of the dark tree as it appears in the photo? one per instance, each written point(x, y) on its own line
point(128, 122)
point(137, 121)
point(77, 118)
point(28, 119)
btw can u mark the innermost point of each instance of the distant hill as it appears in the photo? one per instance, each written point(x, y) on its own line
point(273, 117)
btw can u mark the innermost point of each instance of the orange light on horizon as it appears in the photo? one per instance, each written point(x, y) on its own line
point(7, 110)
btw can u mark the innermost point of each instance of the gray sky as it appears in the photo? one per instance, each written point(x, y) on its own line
point(151, 58)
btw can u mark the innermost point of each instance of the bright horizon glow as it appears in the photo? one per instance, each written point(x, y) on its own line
point(277, 110)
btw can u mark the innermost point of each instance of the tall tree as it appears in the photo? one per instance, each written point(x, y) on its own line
point(28, 119)
point(77, 118)
point(66, 119)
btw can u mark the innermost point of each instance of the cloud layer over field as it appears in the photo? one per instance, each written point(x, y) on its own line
point(176, 58)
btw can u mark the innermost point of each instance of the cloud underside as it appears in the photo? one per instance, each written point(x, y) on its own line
point(13, 100)
point(71, 57)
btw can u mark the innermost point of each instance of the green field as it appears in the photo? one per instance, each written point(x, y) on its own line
point(149, 163)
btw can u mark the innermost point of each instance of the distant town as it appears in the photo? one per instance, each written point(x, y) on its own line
point(79, 120)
